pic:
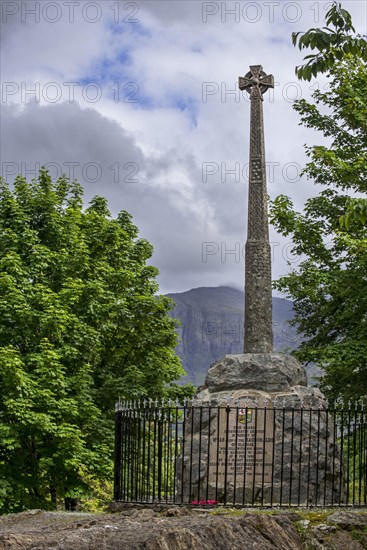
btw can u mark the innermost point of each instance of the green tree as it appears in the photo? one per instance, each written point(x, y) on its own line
point(332, 42)
point(329, 286)
point(80, 326)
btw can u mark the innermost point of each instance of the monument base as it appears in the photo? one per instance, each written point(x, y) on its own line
point(257, 433)
point(271, 372)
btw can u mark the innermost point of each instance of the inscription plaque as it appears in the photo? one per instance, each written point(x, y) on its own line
point(241, 447)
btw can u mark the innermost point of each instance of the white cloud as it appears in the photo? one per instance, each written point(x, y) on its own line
point(170, 134)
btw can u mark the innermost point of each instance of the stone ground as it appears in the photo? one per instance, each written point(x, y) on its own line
point(181, 529)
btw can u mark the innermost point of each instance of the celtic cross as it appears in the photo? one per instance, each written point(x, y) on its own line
point(256, 81)
point(258, 288)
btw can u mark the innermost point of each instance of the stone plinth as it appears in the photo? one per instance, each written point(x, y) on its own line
point(271, 441)
point(269, 372)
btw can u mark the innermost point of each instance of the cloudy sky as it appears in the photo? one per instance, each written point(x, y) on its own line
point(139, 101)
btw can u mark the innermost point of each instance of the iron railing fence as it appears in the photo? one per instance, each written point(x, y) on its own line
point(240, 454)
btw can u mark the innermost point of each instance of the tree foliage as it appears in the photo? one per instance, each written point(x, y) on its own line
point(332, 42)
point(80, 326)
point(356, 212)
point(329, 286)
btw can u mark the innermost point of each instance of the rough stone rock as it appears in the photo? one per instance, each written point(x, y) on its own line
point(175, 512)
point(246, 530)
point(348, 520)
point(341, 540)
point(342, 530)
point(270, 372)
point(117, 532)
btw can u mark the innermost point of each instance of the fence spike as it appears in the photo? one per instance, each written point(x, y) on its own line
point(228, 399)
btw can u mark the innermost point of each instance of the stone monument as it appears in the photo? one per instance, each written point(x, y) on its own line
point(258, 292)
point(249, 449)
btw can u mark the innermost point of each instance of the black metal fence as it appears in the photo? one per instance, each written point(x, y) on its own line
point(241, 454)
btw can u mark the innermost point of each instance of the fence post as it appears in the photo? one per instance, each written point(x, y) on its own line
point(117, 453)
point(160, 457)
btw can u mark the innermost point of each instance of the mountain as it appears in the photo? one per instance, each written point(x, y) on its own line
point(212, 326)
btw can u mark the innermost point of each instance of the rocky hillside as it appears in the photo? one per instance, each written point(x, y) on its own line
point(183, 529)
point(212, 326)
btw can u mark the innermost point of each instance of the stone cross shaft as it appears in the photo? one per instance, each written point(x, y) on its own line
point(258, 290)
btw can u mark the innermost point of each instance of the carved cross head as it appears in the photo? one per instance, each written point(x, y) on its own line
point(256, 81)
